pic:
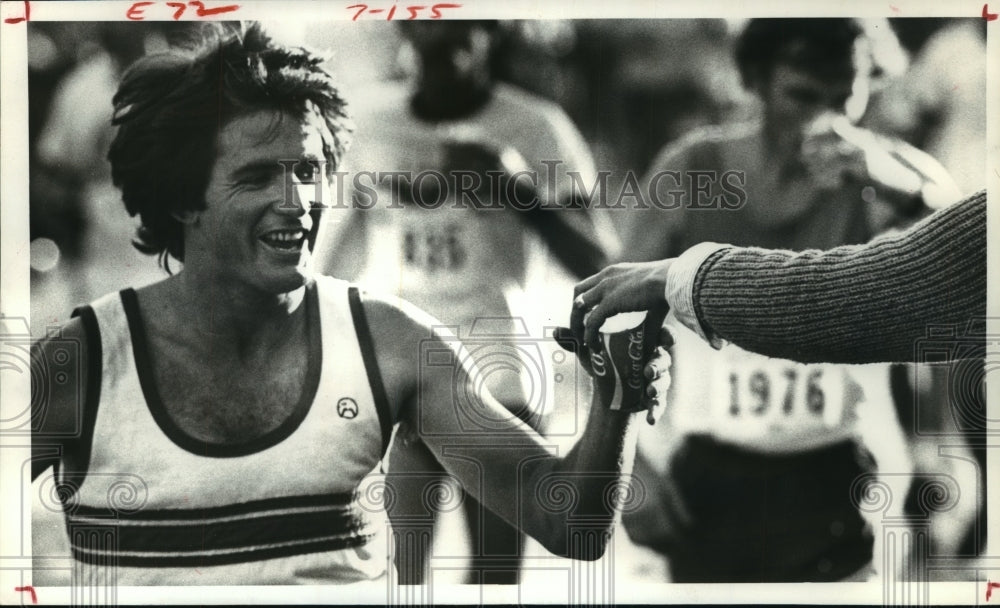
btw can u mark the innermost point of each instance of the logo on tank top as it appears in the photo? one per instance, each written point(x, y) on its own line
point(347, 408)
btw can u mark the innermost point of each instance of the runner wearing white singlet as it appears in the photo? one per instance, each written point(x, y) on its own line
point(235, 414)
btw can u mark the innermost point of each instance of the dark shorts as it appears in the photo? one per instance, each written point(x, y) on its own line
point(756, 517)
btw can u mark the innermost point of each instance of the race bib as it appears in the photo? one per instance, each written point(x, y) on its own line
point(445, 252)
point(760, 402)
point(775, 395)
point(434, 250)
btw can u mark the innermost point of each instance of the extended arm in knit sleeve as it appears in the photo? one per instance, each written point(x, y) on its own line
point(853, 304)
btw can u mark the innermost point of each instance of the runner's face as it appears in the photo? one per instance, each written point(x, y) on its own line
point(256, 225)
point(793, 98)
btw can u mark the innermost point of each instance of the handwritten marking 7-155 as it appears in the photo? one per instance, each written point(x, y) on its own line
point(412, 11)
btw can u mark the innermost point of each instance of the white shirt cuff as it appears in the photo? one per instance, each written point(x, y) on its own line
point(680, 288)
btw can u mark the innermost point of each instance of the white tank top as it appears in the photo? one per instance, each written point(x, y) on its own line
point(301, 504)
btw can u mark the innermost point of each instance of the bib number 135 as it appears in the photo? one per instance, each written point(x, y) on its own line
point(439, 248)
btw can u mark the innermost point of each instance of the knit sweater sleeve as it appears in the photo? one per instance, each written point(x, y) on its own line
point(852, 304)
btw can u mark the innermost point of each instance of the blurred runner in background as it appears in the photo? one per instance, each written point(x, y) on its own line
point(758, 459)
point(405, 126)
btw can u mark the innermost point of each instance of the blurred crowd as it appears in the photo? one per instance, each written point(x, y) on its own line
point(612, 78)
point(614, 94)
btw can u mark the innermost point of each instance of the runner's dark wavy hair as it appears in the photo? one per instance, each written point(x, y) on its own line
point(816, 45)
point(170, 108)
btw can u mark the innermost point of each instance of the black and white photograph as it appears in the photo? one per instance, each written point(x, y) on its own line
point(481, 303)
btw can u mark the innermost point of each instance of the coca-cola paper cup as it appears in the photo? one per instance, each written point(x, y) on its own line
point(628, 341)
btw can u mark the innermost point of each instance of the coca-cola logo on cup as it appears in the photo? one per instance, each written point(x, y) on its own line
point(598, 364)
